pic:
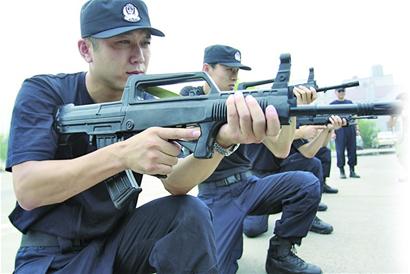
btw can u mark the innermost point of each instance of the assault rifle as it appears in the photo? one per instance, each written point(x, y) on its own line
point(324, 119)
point(311, 82)
point(107, 123)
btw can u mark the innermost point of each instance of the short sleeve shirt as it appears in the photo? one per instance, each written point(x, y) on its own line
point(33, 137)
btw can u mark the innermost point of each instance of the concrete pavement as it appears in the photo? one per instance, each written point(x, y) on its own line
point(370, 217)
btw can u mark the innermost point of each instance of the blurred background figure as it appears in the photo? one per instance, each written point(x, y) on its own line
point(399, 125)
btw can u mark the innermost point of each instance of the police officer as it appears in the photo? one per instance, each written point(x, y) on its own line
point(302, 157)
point(345, 140)
point(232, 192)
point(68, 221)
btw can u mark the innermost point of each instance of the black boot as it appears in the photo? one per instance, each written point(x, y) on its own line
point(342, 173)
point(321, 227)
point(281, 259)
point(322, 207)
point(353, 174)
point(329, 189)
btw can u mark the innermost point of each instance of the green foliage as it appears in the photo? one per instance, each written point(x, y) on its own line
point(3, 147)
point(368, 131)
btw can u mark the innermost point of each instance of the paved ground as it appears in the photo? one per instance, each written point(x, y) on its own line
point(370, 216)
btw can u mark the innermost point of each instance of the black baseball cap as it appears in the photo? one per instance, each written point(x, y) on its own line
point(108, 18)
point(341, 90)
point(224, 55)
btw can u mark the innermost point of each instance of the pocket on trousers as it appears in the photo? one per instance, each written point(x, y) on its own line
point(208, 201)
point(29, 261)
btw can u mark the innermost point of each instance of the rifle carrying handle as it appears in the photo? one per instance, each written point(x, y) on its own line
point(123, 188)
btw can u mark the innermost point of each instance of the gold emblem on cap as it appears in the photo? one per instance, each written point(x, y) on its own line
point(131, 13)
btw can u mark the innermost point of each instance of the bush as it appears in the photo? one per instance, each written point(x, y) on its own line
point(368, 131)
point(3, 147)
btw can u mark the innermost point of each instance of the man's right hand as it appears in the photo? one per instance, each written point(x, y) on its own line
point(310, 131)
point(151, 152)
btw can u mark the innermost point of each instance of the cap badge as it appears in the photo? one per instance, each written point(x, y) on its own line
point(238, 56)
point(131, 13)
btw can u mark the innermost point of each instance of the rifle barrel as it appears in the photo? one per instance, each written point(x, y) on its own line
point(246, 85)
point(345, 85)
point(362, 109)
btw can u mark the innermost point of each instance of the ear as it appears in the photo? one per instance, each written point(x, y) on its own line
point(205, 67)
point(85, 49)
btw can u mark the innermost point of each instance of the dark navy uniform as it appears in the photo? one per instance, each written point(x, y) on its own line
point(325, 156)
point(265, 163)
point(345, 140)
point(86, 233)
point(232, 192)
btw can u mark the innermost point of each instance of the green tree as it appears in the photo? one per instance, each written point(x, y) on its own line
point(368, 131)
point(3, 147)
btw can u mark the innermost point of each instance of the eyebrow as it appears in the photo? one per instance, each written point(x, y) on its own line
point(129, 34)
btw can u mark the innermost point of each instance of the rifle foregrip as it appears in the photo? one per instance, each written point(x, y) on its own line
point(123, 188)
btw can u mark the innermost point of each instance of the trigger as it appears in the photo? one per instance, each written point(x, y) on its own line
point(189, 147)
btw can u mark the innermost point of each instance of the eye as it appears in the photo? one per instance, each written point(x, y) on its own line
point(124, 42)
point(146, 43)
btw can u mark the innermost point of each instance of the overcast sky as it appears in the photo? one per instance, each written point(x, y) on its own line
point(340, 39)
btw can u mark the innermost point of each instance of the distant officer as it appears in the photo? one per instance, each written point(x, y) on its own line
point(345, 140)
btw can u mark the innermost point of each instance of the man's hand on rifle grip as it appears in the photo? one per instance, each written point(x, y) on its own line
point(336, 122)
point(246, 121)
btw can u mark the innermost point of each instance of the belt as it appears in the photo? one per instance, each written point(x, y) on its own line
point(232, 179)
point(35, 238)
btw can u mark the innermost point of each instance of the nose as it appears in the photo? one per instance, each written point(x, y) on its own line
point(137, 55)
point(234, 74)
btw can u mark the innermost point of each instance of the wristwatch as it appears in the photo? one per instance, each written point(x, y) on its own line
point(225, 151)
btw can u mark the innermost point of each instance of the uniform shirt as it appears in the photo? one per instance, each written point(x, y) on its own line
point(235, 163)
point(341, 102)
point(263, 159)
point(87, 215)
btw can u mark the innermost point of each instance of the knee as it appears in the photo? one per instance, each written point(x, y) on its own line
point(254, 226)
point(316, 166)
point(193, 210)
point(310, 185)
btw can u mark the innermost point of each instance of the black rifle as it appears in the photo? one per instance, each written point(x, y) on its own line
point(107, 123)
point(310, 83)
point(324, 119)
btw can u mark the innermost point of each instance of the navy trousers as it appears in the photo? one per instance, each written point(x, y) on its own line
point(295, 194)
point(346, 140)
point(256, 225)
point(173, 234)
point(325, 156)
